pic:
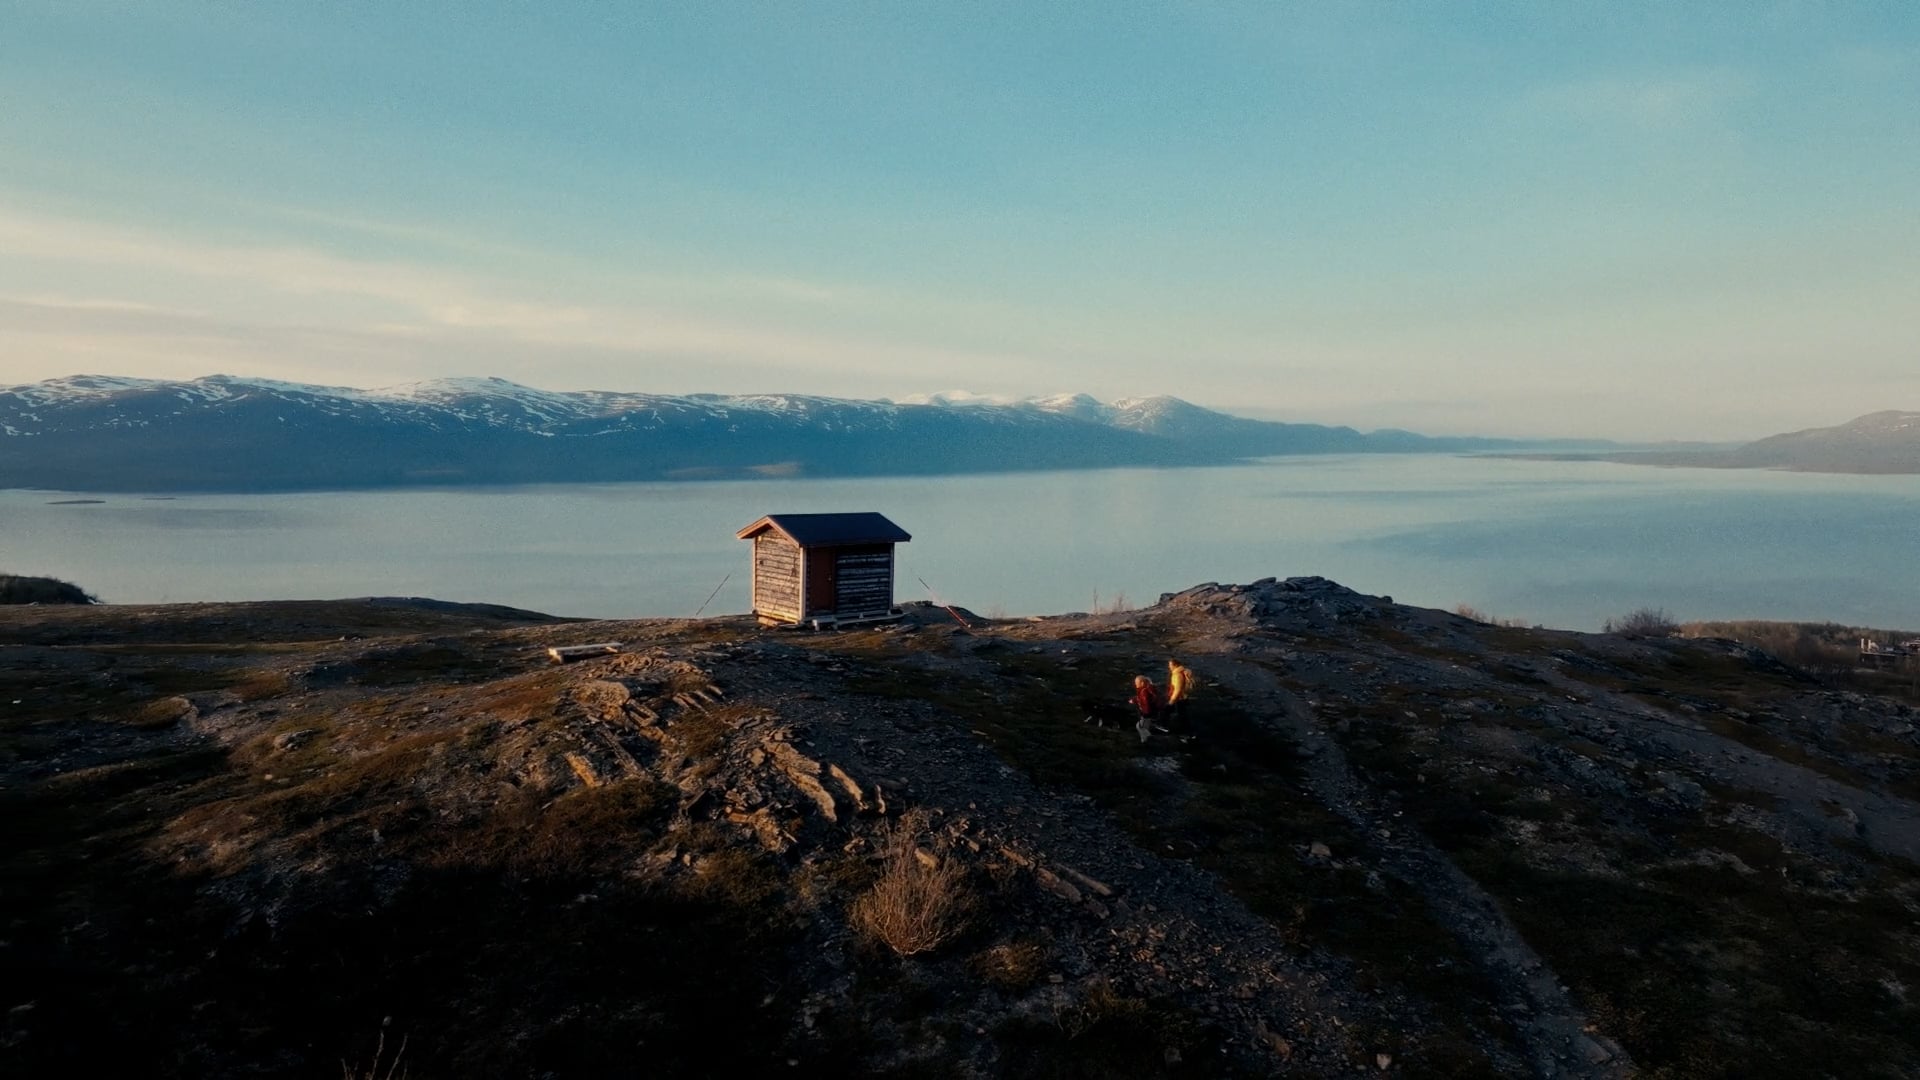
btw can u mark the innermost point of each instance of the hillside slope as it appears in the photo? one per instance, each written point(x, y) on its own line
point(282, 837)
point(1882, 442)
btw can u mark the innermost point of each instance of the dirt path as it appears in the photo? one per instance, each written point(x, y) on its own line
point(1819, 803)
point(1553, 1030)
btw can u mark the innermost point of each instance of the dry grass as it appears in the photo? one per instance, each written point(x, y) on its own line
point(686, 682)
point(533, 696)
point(263, 685)
point(1817, 646)
point(1829, 650)
point(734, 878)
point(703, 735)
point(921, 901)
point(1010, 965)
point(159, 713)
point(1467, 611)
point(1099, 1004)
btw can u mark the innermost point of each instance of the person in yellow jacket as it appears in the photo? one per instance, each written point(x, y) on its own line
point(1180, 682)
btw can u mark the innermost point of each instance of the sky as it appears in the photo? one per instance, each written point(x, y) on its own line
point(1637, 221)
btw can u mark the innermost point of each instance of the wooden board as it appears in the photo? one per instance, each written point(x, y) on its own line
point(561, 654)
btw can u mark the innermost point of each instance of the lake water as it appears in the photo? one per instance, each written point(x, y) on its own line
point(1566, 544)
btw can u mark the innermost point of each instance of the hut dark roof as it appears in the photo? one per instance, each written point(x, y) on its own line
point(812, 530)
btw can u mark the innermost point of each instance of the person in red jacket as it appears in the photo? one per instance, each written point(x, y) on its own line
point(1146, 698)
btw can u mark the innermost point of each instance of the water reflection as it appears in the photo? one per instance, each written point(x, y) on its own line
point(1563, 543)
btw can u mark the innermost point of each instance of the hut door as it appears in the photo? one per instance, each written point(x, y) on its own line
point(822, 582)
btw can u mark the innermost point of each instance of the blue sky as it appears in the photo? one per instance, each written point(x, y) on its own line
point(1641, 221)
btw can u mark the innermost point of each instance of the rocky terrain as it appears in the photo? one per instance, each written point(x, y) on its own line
point(380, 836)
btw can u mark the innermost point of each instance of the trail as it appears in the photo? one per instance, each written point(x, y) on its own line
point(1552, 1029)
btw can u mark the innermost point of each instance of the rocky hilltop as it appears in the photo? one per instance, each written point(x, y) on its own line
point(308, 838)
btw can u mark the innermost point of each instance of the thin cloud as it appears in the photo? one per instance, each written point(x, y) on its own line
point(1672, 102)
point(430, 310)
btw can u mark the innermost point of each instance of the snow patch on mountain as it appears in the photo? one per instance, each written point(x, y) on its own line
point(957, 399)
point(1078, 406)
point(76, 388)
point(502, 399)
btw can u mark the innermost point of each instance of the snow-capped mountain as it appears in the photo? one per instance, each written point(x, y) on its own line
point(221, 432)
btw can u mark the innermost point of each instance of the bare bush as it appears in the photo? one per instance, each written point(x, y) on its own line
point(1643, 623)
point(17, 589)
point(921, 901)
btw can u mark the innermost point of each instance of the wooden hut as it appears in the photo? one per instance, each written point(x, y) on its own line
point(823, 569)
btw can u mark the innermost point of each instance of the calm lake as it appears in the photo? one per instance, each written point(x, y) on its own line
point(1566, 544)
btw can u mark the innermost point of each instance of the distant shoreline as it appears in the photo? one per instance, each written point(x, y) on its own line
point(1719, 460)
point(161, 492)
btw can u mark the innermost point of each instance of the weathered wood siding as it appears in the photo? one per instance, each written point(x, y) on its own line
point(776, 576)
point(863, 578)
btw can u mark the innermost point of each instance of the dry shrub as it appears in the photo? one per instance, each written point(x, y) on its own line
point(921, 901)
point(1643, 623)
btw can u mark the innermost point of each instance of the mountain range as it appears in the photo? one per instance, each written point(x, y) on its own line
point(225, 433)
point(1881, 442)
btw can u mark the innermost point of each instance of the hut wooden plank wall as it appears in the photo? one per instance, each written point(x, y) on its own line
point(823, 568)
point(776, 577)
point(861, 577)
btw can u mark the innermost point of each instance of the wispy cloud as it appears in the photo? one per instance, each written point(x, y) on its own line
point(278, 296)
point(1664, 102)
point(467, 246)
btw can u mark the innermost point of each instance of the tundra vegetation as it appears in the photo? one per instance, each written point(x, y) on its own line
point(375, 835)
